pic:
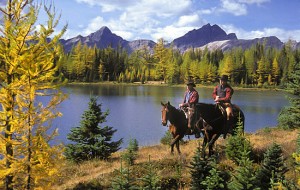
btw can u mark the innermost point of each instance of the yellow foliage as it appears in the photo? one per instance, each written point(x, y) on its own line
point(28, 71)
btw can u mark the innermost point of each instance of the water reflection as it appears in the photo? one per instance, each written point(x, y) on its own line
point(135, 110)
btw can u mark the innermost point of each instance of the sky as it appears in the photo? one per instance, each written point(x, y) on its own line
point(170, 19)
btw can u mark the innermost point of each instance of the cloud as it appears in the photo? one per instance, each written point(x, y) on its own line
point(187, 20)
point(283, 35)
point(238, 7)
point(234, 7)
point(141, 18)
point(169, 33)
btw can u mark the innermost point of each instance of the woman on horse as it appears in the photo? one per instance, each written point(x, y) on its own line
point(222, 95)
point(191, 98)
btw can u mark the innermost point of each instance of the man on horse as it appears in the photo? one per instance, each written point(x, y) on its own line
point(222, 95)
point(191, 98)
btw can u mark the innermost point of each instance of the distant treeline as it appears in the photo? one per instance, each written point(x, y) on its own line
point(257, 66)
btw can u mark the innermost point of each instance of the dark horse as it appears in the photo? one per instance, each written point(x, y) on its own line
point(209, 119)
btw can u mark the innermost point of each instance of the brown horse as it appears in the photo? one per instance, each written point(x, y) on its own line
point(178, 121)
point(209, 120)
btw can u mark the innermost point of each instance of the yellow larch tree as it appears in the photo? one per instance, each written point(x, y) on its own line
point(29, 95)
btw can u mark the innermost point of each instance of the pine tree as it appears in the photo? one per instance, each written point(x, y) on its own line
point(130, 155)
point(272, 167)
point(123, 180)
point(200, 169)
point(237, 144)
point(296, 156)
point(214, 180)
point(151, 179)
point(29, 62)
point(289, 117)
point(243, 176)
point(90, 139)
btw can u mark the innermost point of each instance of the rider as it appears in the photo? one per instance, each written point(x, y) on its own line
point(222, 95)
point(191, 98)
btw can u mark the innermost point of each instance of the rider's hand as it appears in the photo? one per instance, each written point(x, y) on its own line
point(180, 105)
point(217, 99)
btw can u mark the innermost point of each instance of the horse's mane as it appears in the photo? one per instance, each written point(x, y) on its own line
point(178, 114)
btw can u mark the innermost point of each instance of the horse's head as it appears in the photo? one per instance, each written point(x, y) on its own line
point(165, 113)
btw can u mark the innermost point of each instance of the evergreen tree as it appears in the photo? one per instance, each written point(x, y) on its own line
point(130, 154)
point(214, 180)
point(296, 156)
point(237, 144)
point(289, 117)
point(151, 179)
point(243, 176)
point(123, 180)
point(29, 62)
point(90, 139)
point(200, 169)
point(272, 167)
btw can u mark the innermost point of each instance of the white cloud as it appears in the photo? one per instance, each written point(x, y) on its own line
point(283, 35)
point(234, 7)
point(238, 7)
point(169, 33)
point(258, 2)
point(141, 18)
point(187, 20)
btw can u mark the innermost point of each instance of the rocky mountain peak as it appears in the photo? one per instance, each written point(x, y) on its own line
point(202, 36)
point(103, 31)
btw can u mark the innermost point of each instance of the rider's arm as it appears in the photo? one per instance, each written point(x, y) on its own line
point(194, 97)
point(214, 94)
point(184, 104)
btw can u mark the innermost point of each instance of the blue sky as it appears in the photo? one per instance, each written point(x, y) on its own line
point(170, 19)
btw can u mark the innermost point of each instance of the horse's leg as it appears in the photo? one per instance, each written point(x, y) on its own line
point(204, 145)
point(174, 141)
point(177, 146)
point(211, 144)
point(172, 148)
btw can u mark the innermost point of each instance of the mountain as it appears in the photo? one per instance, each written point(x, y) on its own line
point(225, 45)
point(208, 36)
point(101, 38)
point(204, 35)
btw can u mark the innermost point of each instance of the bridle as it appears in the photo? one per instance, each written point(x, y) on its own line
point(164, 115)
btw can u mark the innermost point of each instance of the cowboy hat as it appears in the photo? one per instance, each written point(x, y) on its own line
point(190, 82)
point(224, 78)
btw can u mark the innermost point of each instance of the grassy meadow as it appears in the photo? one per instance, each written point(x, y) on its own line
point(98, 173)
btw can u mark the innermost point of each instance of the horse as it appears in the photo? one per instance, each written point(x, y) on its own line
point(209, 119)
point(178, 121)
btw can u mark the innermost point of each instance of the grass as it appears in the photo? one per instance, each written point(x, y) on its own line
point(167, 165)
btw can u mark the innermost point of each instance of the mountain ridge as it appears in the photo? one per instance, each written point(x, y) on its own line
point(208, 36)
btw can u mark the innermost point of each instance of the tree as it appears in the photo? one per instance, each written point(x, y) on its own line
point(243, 176)
point(272, 167)
point(296, 156)
point(29, 62)
point(237, 144)
point(151, 179)
point(161, 56)
point(130, 154)
point(200, 169)
point(92, 141)
point(123, 180)
point(289, 117)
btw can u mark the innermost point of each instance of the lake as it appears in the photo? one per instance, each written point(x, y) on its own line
point(135, 110)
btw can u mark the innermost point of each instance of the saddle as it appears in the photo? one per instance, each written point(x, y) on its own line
point(222, 109)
